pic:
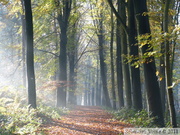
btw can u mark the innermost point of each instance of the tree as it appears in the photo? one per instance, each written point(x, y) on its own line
point(72, 55)
point(73, 43)
point(162, 82)
point(119, 63)
point(30, 54)
point(135, 71)
point(112, 62)
point(98, 90)
point(129, 32)
point(63, 10)
point(168, 67)
point(23, 46)
point(98, 22)
point(102, 63)
point(151, 83)
point(124, 54)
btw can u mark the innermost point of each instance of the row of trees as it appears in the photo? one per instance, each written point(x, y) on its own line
point(74, 42)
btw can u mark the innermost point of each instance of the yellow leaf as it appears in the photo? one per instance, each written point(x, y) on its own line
point(160, 78)
point(157, 73)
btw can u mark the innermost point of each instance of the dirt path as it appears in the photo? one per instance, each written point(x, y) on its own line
point(84, 120)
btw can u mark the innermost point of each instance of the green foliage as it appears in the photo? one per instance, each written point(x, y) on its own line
point(167, 119)
point(154, 42)
point(49, 112)
point(15, 119)
point(136, 118)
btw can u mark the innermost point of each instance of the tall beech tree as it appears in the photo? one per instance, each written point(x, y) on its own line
point(72, 55)
point(30, 54)
point(98, 21)
point(151, 81)
point(112, 62)
point(119, 76)
point(162, 83)
point(168, 66)
point(124, 54)
point(98, 90)
point(23, 45)
point(129, 33)
point(135, 71)
point(100, 35)
point(63, 11)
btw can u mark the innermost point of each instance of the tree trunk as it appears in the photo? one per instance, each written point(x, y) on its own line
point(135, 72)
point(89, 87)
point(125, 65)
point(162, 79)
point(86, 93)
point(98, 90)
point(119, 64)
point(112, 62)
point(151, 83)
point(72, 56)
point(30, 54)
point(24, 55)
point(23, 46)
point(72, 53)
point(168, 67)
point(93, 91)
point(103, 66)
point(72, 96)
point(61, 91)
point(63, 23)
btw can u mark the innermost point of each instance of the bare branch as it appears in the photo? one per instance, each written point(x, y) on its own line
point(47, 52)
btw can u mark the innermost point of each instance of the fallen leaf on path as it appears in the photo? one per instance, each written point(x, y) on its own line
point(85, 120)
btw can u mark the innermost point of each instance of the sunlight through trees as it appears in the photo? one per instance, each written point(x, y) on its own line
point(118, 54)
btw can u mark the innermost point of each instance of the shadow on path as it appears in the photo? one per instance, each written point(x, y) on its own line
point(85, 120)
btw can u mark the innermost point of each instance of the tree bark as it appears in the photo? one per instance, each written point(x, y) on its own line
point(124, 52)
point(86, 92)
point(168, 67)
point(112, 62)
point(61, 91)
point(93, 90)
point(23, 46)
point(30, 54)
point(162, 78)
point(72, 53)
point(98, 90)
point(63, 23)
point(103, 64)
point(151, 83)
point(89, 86)
point(72, 86)
point(119, 68)
point(135, 72)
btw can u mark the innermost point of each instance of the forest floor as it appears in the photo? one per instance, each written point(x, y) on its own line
point(85, 120)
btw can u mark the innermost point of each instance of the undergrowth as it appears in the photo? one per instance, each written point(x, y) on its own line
point(16, 119)
point(136, 118)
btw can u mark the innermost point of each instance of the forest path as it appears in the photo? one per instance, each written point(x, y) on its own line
point(85, 120)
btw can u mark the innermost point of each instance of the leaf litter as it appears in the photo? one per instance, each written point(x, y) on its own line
point(85, 120)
